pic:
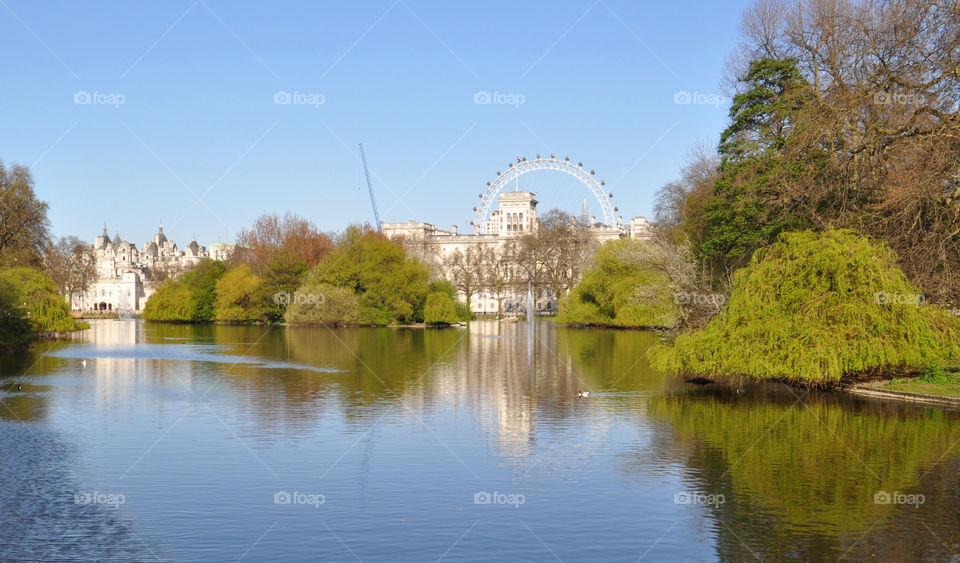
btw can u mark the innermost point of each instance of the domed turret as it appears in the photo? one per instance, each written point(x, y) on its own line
point(160, 238)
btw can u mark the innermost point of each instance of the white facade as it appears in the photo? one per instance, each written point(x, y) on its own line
point(515, 216)
point(123, 283)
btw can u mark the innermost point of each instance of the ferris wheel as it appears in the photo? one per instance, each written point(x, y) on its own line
point(524, 166)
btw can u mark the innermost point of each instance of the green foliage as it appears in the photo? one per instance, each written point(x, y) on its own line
point(15, 329)
point(743, 214)
point(191, 297)
point(31, 295)
point(283, 274)
point(243, 297)
point(392, 286)
point(936, 374)
point(439, 309)
point(816, 308)
point(320, 304)
point(614, 292)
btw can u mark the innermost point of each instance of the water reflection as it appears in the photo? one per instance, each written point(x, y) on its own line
point(411, 422)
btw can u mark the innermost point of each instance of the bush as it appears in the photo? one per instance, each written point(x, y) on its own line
point(616, 291)
point(440, 309)
point(31, 295)
point(191, 297)
point(320, 304)
point(817, 308)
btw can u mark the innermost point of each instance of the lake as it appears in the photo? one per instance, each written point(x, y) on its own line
point(225, 443)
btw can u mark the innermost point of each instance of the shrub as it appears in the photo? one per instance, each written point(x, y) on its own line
point(817, 308)
point(34, 297)
point(319, 304)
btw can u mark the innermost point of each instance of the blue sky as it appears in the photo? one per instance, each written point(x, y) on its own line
point(182, 126)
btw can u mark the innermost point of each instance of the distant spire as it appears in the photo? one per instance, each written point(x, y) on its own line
point(585, 213)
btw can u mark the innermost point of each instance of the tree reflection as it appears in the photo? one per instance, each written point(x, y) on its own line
point(800, 476)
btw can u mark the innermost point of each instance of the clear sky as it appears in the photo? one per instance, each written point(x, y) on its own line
point(182, 124)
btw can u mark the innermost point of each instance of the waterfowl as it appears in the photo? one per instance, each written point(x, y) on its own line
point(83, 363)
point(582, 394)
point(19, 387)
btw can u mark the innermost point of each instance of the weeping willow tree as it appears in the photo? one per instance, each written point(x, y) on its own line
point(818, 308)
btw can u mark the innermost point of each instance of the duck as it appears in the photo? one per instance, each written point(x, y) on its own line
point(19, 387)
point(582, 394)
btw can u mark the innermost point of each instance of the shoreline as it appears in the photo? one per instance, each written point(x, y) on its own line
point(873, 389)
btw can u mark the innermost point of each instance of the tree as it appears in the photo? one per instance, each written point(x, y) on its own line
point(271, 235)
point(23, 218)
point(439, 309)
point(190, 298)
point(500, 274)
point(466, 268)
point(71, 265)
point(875, 143)
point(555, 255)
point(36, 298)
point(391, 286)
point(243, 297)
point(626, 286)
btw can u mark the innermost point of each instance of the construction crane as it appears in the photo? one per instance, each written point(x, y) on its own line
point(373, 200)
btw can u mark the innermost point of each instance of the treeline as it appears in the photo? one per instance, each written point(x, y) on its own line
point(35, 270)
point(285, 270)
point(829, 208)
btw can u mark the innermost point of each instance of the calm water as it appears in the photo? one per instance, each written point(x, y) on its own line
point(225, 443)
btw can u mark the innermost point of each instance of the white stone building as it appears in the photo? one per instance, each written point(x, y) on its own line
point(515, 216)
point(124, 273)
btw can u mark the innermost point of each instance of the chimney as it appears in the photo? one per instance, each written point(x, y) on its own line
point(454, 229)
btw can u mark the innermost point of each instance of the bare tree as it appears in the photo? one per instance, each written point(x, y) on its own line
point(465, 268)
point(71, 265)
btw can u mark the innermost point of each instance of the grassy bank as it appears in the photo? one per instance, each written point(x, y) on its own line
point(941, 382)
